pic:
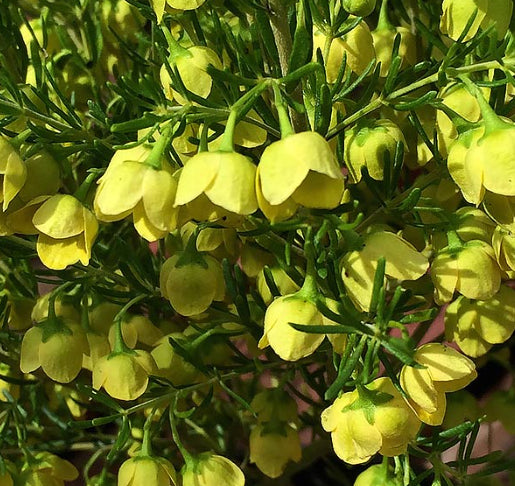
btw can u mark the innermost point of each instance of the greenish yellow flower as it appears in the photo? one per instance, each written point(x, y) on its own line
point(191, 285)
point(124, 375)
point(384, 37)
point(192, 66)
point(374, 418)
point(20, 309)
point(471, 270)
point(212, 470)
point(377, 475)
point(62, 308)
point(403, 262)
point(13, 172)
point(314, 177)
point(366, 144)
point(226, 178)
point(48, 470)
point(282, 280)
point(357, 47)
point(503, 243)
point(130, 186)
point(148, 471)
point(476, 325)
point(287, 342)
point(274, 404)
point(55, 345)
point(136, 328)
point(67, 230)
point(360, 8)
point(443, 370)
point(271, 450)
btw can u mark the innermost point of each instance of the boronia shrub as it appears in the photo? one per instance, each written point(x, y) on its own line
point(195, 194)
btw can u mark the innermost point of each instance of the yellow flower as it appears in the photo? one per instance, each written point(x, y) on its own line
point(444, 370)
point(67, 231)
point(48, 470)
point(361, 8)
point(383, 43)
point(501, 209)
point(282, 280)
point(286, 341)
point(124, 375)
point(471, 270)
point(13, 172)
point(374, 418)
point(366, 144)
point(503, 243)
point(43, 176)
point(136, 329)
point(314, 177)
point(476, 325)
point(57, 346)
point(271, 450)
point(377, 475)
point(212, 470)
point(134, 187)
point(192, 284)
point(20, 309)
point(357, 46)
point(403, 262)
point(192, 66)
point(148, 471)
point(226, 178)
point(274, 404)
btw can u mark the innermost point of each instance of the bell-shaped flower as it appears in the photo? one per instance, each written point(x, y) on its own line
point(48, 470)
point(191, 281)
point(13, 172)
point(476, 325)
point(226, 178)
point(360, 8)
point(272, 447)
point(442, 370)
point(503, 243)
point(124, 375)
point(191, 64)
point(67, 230)
point(357, 47)
point(147, 470)
point(314, 177)
point(131, 186)
point(374, 418)
point(403, 262)
point(470, 269)
point(366, 144)
point(55, 345)
point(210, 469)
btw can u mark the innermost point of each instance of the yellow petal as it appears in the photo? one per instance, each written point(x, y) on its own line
point(444, 274)
point(58, 254)
point(418, 385)
point(159, 8)
point(159, 188)
point(274, 213)
point(14, 177)
point(319, 191)
point(144, 226)
point(29, 355)
point(61, 216)
point(198, 173)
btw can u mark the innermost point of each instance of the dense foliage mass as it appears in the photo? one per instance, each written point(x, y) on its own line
point(253, 239)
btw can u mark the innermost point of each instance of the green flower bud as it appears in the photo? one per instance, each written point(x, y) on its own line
point(148, 470)
point(366, 144)
point(360, 8)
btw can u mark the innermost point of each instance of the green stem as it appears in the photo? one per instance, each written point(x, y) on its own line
point(454, 241)
point(146, 446)
point(82, 192)
point(156, 155)
point(309, 287)
point(119, 344)
point(188, 458)
point(176, 50)
point(284, 119)
point(384, 22)
point(227, 144)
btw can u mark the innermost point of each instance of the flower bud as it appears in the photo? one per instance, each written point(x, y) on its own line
point(374, 418)
point(147, 470)
point(212, 470)
point(444, 370)
point(360, 8)
point(366, 144)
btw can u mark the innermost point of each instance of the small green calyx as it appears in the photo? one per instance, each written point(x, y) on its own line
point(367, 402)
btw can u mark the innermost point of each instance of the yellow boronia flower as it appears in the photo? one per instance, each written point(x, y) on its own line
point(225, 178)
point(20, 309)
point(129, 186)
point(377, 475)
point(503, 243)
point(361, 8)
point(67, 230)
point(476, 325)
point(403, 262)
point(458, 99)
point(366, 144)
point(383, 42)
point(501, 209)
point(357, 46)
point(48, 470)
point(13, 172)
point(374, 419)
point(471, 270)
point(444, 370)
point(272, 450)
point(192, 68)
point(136, 328)
point(192, 286)
point(282, 280)
point(147, 470)
point(171, 365)
point(124, 375)
point(58, 350)
point(457, 13)
point(314, 177)
point(219, 242)
point(212, 470)
point(62, 309)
